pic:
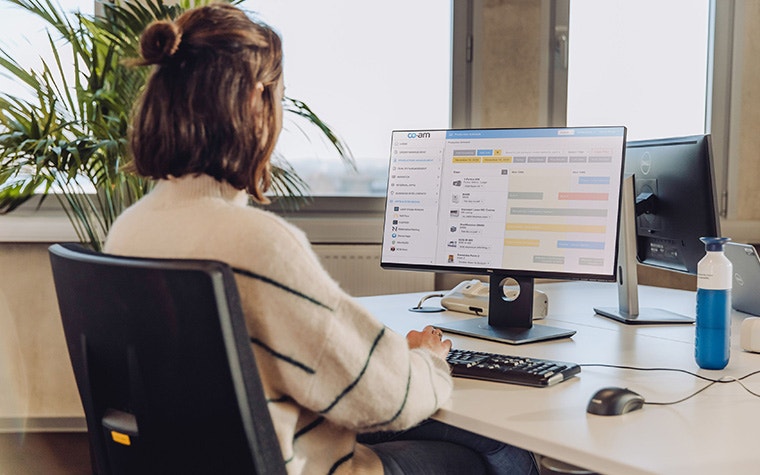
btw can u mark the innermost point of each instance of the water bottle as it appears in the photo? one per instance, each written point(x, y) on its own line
point(713, 330)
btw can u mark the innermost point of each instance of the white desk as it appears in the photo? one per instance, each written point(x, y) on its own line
point(714, 432)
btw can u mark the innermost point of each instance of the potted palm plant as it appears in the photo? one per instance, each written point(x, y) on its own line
point(71, 135)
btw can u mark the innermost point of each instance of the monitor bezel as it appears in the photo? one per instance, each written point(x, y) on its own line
point(593, 277)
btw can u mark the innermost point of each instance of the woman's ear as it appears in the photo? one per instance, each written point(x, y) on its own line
point(258, 91)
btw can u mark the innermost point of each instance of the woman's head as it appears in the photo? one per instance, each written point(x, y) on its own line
point(213, 103)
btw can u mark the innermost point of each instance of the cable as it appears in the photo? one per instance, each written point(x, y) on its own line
point(429, 296)
point(638, 368)
point(420, 308)
point(739, 382)
point(712, 381)
point(670, 403)
point(748, 375)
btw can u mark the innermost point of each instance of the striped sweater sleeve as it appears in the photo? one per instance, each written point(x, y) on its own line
point(371, 380)
point(335, 358)
point(344, 365)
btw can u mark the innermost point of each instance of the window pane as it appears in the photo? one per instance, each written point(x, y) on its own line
point(639, 63)
point(365, 69)
point(24, 37)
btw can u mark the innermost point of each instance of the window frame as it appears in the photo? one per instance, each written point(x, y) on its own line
point(363, 215)
point(720, 66)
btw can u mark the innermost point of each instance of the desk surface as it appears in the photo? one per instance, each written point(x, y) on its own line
point(713, 432)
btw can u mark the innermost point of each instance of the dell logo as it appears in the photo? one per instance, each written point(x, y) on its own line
point(646, 163)
point(420, 135)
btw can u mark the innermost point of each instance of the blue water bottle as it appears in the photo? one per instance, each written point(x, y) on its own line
point(713, 330)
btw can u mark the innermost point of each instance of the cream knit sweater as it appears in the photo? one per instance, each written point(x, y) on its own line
point(329, 368)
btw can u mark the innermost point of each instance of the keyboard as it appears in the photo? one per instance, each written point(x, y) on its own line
point(509, 369)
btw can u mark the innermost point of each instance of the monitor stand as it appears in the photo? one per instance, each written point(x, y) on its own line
point(510, 315)
point(628, 310)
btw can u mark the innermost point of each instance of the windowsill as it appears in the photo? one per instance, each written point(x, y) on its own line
point(326, 220)
point(30, 223)
point(40, 227)
point(338, 219)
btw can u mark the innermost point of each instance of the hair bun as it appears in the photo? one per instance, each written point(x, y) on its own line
point(159, 42)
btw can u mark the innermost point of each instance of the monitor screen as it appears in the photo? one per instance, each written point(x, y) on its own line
point(538, 202)
point(514, 204)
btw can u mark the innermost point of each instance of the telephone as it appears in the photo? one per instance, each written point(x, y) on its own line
point(471, 296)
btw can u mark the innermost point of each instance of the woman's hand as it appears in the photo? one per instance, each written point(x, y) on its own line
point(431, 339)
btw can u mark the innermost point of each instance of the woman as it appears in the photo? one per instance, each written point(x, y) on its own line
point(205, 129)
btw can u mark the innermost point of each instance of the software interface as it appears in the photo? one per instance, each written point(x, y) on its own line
point(538, 200)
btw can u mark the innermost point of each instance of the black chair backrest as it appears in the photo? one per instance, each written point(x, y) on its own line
point(163, 364)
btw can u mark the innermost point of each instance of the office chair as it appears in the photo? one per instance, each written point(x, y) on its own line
point(163, 364)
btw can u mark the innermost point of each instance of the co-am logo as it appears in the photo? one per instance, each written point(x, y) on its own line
point(418, 135)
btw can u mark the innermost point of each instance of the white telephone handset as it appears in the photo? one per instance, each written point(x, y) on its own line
point(473, 288)
point(471, 296)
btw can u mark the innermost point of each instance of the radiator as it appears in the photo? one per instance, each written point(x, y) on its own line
point(356, 267)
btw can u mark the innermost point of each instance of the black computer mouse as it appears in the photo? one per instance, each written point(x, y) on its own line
point(614, 401)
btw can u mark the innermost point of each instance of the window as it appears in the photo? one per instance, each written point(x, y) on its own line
point(25, 38)
point(639, 63)
point(365, 69)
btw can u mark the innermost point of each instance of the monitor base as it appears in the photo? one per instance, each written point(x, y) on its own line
point(479, 328)
point(646, 316)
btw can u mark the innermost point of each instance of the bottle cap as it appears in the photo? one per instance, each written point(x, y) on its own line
point(714, 243)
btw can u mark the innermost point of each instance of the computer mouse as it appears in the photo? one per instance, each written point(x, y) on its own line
point(614, 401)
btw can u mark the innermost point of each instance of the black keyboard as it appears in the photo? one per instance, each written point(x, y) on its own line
point(509, 369)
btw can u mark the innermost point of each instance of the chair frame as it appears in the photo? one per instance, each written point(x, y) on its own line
point(113, 308)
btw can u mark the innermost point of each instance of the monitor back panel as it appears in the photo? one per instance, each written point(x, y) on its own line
point(745, 294)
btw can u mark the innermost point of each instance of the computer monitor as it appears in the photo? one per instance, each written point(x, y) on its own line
point(514, 204)
point(671, 205)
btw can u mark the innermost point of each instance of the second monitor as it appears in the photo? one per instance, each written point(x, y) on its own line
point(514, 204)
point(671, 205)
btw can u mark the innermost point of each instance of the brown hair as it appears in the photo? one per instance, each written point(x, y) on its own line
point(197, 114)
